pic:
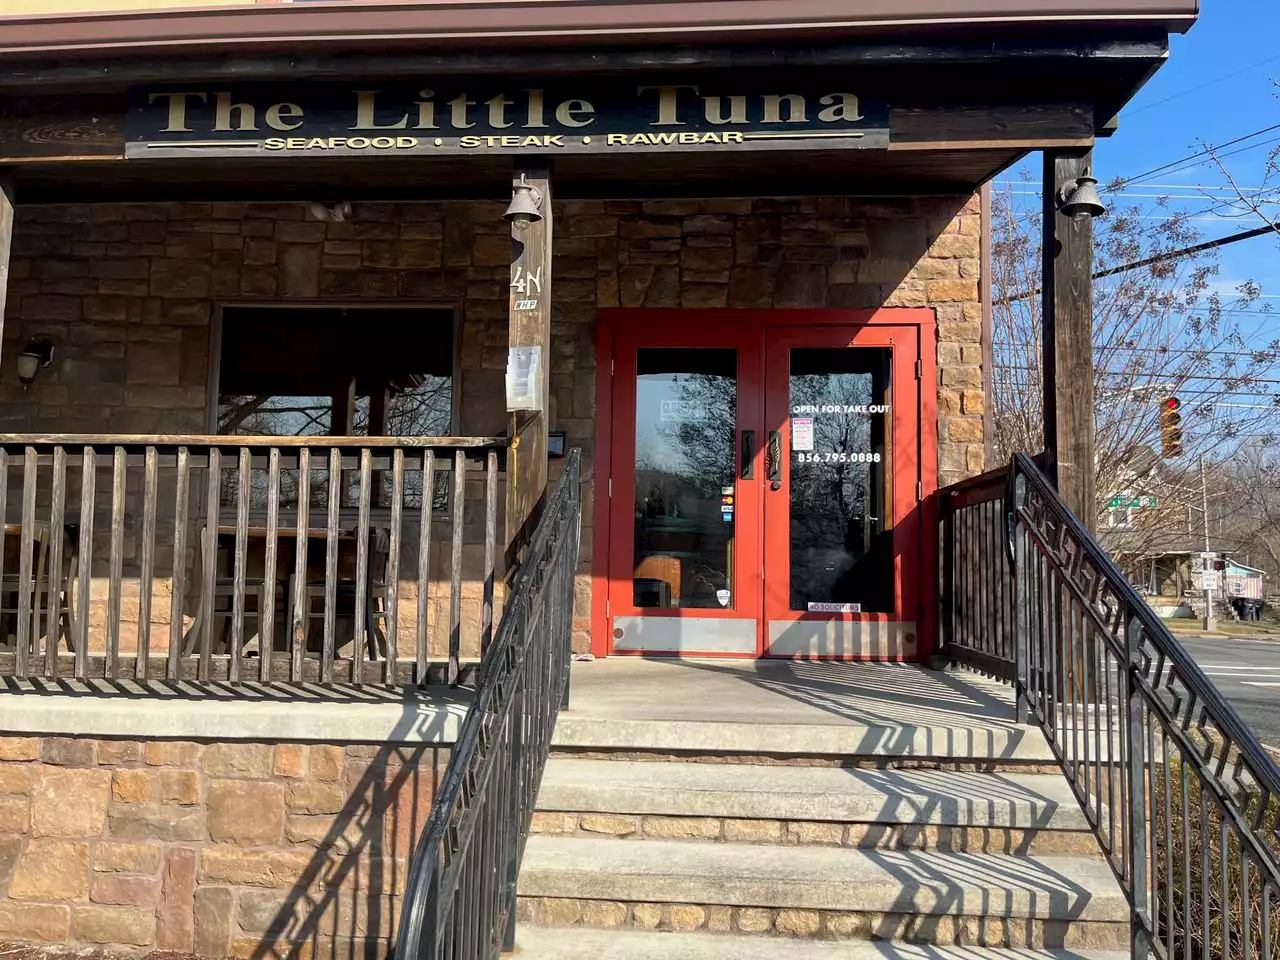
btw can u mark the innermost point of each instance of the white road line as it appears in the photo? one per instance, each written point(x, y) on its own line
point(1257, 683)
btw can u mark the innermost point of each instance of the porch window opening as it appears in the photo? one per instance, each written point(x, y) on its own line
point(341, 372)
point(840, 491)
point(686, 420)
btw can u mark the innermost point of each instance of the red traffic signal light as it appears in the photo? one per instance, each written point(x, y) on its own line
point(1170, 428)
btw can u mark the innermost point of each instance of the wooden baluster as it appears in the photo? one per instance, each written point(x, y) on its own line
point(455, 563)
point(26, 572)
point(150, 494)
point(177, 594)
point(424, 561)
point(244, 479)
point(360, 627)
point(115, 563)
point(267, 613)
point(57, 541)
point(209, 563)
point(331, 565)
point(84, 566)
point(392, 574)
point(490, 547)
point(301, 602)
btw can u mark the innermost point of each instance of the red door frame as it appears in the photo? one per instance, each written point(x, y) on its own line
point(916, 322)
point(905, 413)
point(674, 329)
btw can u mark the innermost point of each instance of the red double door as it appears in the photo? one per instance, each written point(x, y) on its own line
point(767, 476)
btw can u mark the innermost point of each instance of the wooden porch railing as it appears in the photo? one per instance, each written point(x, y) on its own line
point(247, 559)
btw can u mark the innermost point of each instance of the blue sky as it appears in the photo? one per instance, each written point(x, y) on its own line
point(1219, 84)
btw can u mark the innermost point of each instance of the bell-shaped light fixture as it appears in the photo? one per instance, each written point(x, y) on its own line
point(338, 213)
point(36, 354)
point(1079, 198)
point(526, 203)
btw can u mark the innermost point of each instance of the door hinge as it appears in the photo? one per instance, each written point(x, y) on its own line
point(919, 490)
point(611, 366)
point(611, 487)
point(919, 368)
point(608, 608)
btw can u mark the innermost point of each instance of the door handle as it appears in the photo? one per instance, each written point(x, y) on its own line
point(773, 460)
point(748, 468)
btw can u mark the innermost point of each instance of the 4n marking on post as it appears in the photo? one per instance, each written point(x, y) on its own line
point(527, 282)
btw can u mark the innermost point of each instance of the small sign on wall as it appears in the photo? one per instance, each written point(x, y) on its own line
point(524, 378)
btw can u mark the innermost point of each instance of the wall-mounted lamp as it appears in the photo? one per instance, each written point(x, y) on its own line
point(36, 354)
point(526, 202)
point(1079, 198)
point(338, 213)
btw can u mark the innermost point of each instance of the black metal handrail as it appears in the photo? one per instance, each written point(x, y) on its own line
point(977, 615)
point(461, 893)
point(1178, 789)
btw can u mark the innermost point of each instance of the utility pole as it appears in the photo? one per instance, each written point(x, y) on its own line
point(1206, 562)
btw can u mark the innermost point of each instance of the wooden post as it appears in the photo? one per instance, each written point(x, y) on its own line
point(6, 244)
point(1068, 338)
point(529, 313)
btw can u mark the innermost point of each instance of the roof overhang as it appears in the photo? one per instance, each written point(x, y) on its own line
point(356, 24)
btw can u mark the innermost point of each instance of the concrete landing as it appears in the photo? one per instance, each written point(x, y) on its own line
point(793, 707)
point(935, 797)
point(536, 943)
point(842, 879)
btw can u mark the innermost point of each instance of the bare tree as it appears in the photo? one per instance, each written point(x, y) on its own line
point(1257, 202)
point(1161, 330)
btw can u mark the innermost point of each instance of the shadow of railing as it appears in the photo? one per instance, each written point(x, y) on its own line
point(345, 901)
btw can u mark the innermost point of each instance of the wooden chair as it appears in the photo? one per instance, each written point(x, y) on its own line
point(44, 540)
point(374, 614)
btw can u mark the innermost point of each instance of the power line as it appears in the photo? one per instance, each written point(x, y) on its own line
point(1169, 255)
point(1200, 86)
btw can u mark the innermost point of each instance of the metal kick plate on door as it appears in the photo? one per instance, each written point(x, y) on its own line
point(684, 634)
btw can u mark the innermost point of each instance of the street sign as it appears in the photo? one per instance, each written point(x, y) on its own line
point(1212, 579)
point(1122, 501)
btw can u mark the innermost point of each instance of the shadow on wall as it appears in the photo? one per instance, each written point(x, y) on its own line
point(345, 902)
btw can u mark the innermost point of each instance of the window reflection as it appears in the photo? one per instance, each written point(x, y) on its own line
point(841, 537)
point(686, 420)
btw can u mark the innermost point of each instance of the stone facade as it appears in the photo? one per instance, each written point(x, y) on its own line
point(129, 293)
point(217, 849)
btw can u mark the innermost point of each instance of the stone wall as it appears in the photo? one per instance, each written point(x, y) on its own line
point(216, 849)
point(129, 293)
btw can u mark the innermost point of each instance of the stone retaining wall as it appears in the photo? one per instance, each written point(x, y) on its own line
point(216, 849)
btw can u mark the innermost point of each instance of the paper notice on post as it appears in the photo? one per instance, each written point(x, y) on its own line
point(802, 433)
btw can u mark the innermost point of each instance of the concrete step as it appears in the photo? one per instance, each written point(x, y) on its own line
point(983, 742)
point(536, 943)
point(930, 896)
point(890, 809)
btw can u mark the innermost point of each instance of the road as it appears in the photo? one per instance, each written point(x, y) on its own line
point(1247, 672)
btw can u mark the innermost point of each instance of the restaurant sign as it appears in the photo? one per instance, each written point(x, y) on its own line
point(520, 117)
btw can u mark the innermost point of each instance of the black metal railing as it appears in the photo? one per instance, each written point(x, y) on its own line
point(239, 559)
point(977, 615)
point(1180, 793)
point(460, 899)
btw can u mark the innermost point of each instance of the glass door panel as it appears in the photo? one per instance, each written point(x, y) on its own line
point(840, 501)
point(685, 427)
point(842, 406)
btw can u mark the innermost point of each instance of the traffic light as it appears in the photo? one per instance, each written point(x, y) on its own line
point(1220, 565)
point(1171, 428)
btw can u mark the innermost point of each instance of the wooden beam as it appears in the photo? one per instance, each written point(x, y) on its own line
point(1068, 338)
point(6, 244)
point(529, 313)
point(983, 127)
